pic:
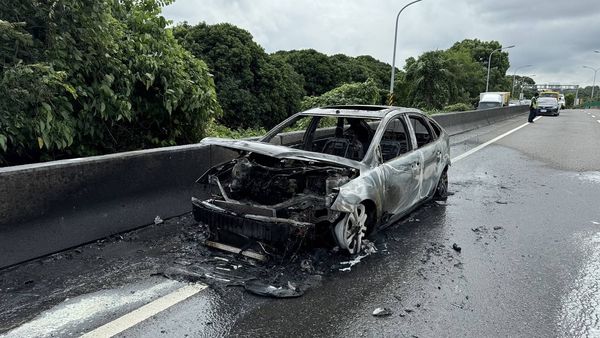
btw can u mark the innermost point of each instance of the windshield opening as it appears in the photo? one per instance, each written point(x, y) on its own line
point(343, 136)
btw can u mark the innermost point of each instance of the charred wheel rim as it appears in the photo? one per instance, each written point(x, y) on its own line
point(442, 187)
point(350, 231)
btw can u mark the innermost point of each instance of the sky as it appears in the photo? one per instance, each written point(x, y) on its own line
point(556, 37)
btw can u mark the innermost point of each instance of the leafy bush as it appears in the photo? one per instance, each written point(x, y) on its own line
point(87, 77)
point(215, 129)
point(349, 93)
point(569, 100)
point(458, 107)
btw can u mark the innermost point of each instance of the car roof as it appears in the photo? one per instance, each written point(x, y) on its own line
point(365, 111)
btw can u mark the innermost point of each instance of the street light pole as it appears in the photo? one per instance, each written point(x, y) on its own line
point(512, 89)
point(487, 83)
point(594, 83)
point(391, 98)
point(522, 81)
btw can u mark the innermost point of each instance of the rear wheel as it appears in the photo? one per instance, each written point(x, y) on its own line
point(441, 191)
point(350, 230)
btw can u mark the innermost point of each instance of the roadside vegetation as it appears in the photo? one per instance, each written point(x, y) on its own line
point(89, 77)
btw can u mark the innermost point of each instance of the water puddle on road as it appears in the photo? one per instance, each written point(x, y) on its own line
point(590, 176)
point(580, 312)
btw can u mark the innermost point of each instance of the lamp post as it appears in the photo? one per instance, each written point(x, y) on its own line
point(512, 89)
point(521, 94)
point(593, 85)
point(487, 83)
point(391, 98)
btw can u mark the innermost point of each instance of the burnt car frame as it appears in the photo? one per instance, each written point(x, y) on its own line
point(350, 171)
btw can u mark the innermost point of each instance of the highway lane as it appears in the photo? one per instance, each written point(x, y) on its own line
point(524, 212)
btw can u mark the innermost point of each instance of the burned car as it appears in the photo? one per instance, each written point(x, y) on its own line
point(335, 173)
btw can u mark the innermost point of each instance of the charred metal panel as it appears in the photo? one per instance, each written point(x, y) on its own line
point(220, 222)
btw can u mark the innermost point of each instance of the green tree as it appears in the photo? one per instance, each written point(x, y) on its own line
point(469, 76)
point(254, 89)
point(94, 76)
point(480, 52)
point(319, 72)
point(432, 80)
point(350, 93)
point(570, 100)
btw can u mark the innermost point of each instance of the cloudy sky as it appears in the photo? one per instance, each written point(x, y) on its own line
point(557, 37)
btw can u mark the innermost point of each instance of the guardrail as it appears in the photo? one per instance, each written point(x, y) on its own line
point(52, 206)
point(48, 207)
point(460, 122)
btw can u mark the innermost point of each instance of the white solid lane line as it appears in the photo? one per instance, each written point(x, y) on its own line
point(483, 145)
point(137, 316)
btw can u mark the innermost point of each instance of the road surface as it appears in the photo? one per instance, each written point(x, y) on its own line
point(525, 213)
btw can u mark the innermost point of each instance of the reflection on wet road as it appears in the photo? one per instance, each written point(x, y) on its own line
point(580, 313)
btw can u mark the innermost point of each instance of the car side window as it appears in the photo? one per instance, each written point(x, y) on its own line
point(437, 131)
point(395, 139)
point(423, 133)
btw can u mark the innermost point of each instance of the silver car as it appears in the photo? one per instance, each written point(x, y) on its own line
point(329, 175)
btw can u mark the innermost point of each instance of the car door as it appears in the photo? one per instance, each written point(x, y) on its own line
point(400, 167)
point(441, 150)
point(426, 145)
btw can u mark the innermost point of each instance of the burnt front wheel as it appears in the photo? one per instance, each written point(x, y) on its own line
point(441, 191)
point(351, 229)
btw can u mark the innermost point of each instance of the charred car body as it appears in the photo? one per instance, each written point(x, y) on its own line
point(336, 173)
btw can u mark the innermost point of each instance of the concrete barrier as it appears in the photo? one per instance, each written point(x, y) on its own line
point(49, 207)
point(460, 122)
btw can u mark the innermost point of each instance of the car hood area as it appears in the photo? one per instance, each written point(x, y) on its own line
point(281, 152)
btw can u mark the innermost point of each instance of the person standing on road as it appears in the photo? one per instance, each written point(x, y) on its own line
point(533, 106)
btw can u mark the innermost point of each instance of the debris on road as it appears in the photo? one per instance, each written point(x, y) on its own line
point(232, 249)
point(262, 289)
point(498, 228)
point(382, 312)
point(307, 266)
point(368, 248)
point(456, 247)
point(501, 202)
point(594, 222)
point(158, 220)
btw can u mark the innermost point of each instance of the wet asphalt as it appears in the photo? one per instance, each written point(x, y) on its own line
point(525, 213)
